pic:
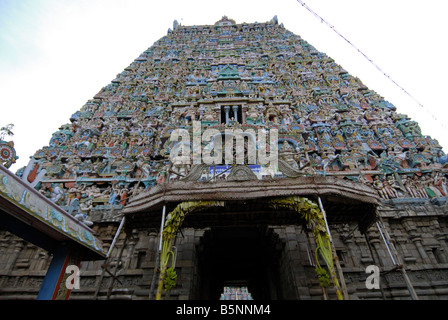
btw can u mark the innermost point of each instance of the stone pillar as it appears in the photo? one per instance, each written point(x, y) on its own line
point(130, 256)
point(348, 240)
point(243, 113)
point(18, 246)
point(383, 256)
point(441, 238)
point(154, 261)
point(152, 246)
point(402, 244)
point(235, 112)
point(227, 110)
point(417, 240)
point(4, 245)
point(38, 262)
point(364, 251)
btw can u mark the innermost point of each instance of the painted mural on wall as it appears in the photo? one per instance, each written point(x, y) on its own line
point(246, 76)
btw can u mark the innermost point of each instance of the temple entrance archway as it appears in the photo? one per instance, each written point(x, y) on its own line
point(240, 256)
point(250, 205)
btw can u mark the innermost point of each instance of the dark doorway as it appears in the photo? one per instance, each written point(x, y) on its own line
point(239, 256)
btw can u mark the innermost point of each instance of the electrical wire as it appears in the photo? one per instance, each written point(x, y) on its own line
point(370, 60)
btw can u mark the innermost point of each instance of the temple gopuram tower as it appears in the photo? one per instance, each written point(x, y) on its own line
point(320, 188)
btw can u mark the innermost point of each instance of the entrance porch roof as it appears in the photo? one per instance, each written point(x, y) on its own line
point(343, 200)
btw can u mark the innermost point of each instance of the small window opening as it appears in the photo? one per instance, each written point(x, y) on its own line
point(231, 114)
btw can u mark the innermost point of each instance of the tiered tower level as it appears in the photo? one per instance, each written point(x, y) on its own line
point(265, 76)
point(117, 147)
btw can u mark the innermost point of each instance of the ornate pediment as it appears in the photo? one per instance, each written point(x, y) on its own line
point(241, 173)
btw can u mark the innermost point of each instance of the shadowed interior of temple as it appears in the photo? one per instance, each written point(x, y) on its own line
point(240, 256)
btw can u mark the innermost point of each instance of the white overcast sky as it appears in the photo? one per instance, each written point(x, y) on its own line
point(55, 55)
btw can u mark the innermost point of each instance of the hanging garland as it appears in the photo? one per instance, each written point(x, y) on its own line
point(313, 216)
point(173, 222)
point(308, 209)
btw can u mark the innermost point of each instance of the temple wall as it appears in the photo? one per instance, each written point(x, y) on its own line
point(418, 231)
